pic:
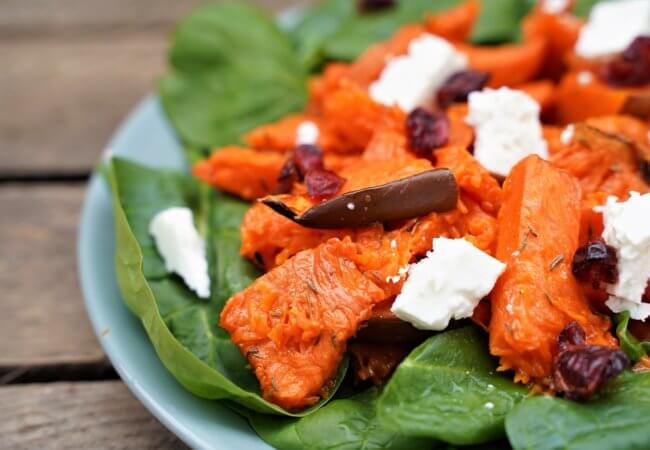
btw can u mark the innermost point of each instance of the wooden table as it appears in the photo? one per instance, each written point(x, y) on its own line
point(71, 70)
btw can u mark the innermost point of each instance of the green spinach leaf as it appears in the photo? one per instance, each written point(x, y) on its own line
point(617, 418)
point(183, 328)
point(336, 31)
point(448, 389)
point(582, 8)
point(634, 349)
point(316, 26)
point(232, 69)
point(349, 423)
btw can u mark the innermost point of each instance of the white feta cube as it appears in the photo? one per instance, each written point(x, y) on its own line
point(447, 284)
point(612, 26)
point(182, 247)
point(507, 127)
point(307, 133)
point(413, 79)
point(627, 229)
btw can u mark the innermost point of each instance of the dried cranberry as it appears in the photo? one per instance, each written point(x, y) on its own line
point(572, 334)
point(322, 184)
point(288, 175)
point(426, 131)
point(595, 262)
point(308, 157)
point(366, 6)
point(458, 86)
point(579, 370)
point(630, 68)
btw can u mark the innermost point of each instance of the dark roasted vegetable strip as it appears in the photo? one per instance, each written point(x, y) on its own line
point(417, 195)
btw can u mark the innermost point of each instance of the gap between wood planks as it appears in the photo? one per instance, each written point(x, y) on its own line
point(50, 373)
point(66, 177)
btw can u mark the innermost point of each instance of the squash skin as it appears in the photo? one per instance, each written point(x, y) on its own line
point(537, 296)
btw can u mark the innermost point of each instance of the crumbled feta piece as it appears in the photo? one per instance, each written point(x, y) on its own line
point(307, 133)
point(627, 230)
point(567, 134)
point(555, 6)
point(400, 273)
point(447, 284)
point(612, 26)
point(182, 247)
point(413, 79)
point(507, 127)
point(585, 77)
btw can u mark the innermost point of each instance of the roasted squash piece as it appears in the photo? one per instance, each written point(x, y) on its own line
point(293, 322)
point(561, 33)
point(602, 162)
point(460, 133)
point(471, 176)
point(269, 239)
point(508, 64)
point(542, 91)
point(629, 127)
point(364, 70)
point(537, 296)
point(578, 101)
point(454, 24)
point(388, 142)
point(351, 116)
point(279, 136)
point(249, 174)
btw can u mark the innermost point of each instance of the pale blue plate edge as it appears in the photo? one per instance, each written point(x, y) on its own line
point(145, 136)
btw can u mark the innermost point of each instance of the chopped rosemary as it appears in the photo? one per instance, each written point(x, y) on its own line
point(556, 262)
point(312, 285)
point(548, 298)
point(524, 243)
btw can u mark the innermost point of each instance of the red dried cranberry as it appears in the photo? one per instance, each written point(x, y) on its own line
point(366, 6)
point(458, 86)
point(630, 68)
point(322, 184)
point(595, 262)
point(288, 175)
point(426, 131)
point(308, 157)
point(572, 334)
point(579, 370)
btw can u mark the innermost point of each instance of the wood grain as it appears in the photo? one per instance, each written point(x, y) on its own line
point(71, 72)
point(78, 415)
point(20, 17)
point(65, 97)
point(43, 321)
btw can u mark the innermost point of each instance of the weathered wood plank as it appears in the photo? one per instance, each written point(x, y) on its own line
point(63, 98)
point(43, 321)
point(78, 415)
point(71, 16)
point(63, 95)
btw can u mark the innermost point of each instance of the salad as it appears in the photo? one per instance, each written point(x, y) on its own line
point(404, 224)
